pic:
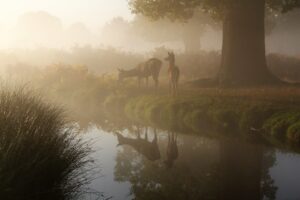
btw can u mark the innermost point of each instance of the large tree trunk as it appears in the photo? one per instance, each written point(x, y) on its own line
point(243, 52)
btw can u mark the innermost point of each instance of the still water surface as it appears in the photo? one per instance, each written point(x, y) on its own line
point(147, 163)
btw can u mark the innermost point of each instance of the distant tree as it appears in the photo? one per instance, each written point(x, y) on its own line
point(117, 32)
point(286, 34)
point(164, 30)
point(39, 28)
point(78, 34)
point(243, 51)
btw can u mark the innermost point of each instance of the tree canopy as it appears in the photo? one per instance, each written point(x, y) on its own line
point(185, 9)
point(189, 33)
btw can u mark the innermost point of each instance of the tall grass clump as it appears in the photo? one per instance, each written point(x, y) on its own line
point(40, 155)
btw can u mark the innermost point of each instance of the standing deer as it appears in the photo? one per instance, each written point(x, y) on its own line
point(147, 148)
point(145, 69)
point(172, 150)
point(174, 74)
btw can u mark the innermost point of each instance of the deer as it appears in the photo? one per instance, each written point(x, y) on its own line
point(147, 148)
point(172, 150)
point(174, 74)
point(145, 69)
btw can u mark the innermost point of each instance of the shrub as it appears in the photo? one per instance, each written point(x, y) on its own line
point(40, 155)
point(293, 132)
point(255, 116)
point(278, 124)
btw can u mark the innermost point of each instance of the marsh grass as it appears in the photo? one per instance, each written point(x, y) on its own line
point(40, 155)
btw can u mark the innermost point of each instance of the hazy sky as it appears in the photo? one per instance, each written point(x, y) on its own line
point(94, 13)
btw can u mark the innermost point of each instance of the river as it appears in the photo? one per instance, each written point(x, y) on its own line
point(149, 163)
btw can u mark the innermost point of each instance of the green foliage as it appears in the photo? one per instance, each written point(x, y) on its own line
point(161, 8)
point(225, 118)
point(293, 133)
point(184, 9)
point(254, 116)
point(278, 124)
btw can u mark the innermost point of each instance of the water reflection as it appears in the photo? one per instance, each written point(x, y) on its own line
point(172, 149)
point(147, 148)
point(204, 168)
point(242, 171)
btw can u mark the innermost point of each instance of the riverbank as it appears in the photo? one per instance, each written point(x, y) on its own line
point(272, 113)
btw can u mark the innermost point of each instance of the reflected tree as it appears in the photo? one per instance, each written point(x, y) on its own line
point(244, 171)
point(205, 169)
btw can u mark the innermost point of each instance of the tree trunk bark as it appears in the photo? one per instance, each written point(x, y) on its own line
point(243, 51)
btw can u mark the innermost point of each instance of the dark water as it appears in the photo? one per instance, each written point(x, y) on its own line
point(188, 166)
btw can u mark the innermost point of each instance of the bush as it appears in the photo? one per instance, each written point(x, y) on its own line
point(278, 124)
point(40, 155)
point(255, 116)
point(293, 132)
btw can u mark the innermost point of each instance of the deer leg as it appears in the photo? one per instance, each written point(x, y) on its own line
point(138, 133)
point(146, 134)
point(175, 89)
point(155, 79)
point(155, 136)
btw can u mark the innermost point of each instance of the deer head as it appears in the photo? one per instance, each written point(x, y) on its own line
point(170, 57)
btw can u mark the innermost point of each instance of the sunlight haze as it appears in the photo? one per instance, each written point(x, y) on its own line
point(91, 15)
point(94, 13)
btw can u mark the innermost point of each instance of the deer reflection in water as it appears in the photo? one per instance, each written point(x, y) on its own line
point(172, 150)
point(147, 148)
point(150, 149)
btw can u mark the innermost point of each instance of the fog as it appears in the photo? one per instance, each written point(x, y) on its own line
point(41, 29)
point(40, 39)
point(97, 102)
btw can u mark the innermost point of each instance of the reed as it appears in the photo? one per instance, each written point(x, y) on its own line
point(41, 156)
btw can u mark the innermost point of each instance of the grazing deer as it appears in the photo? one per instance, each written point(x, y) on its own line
point(174, 74)
point(172, 150)
point(149, 68)
point(147, 148)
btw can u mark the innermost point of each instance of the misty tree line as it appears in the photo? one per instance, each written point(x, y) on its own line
point(142, 34)
point(105, 62)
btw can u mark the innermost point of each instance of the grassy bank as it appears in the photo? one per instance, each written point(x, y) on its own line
point(90, 98)
point(271, 112)
point(40, 155)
